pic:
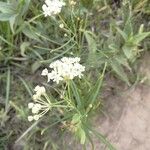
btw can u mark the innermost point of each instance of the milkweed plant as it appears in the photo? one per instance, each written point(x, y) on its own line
point(74, 95)
point(76, 90)
point(72, 99)
point(72, 45)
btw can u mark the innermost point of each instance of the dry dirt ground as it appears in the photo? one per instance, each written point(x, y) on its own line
point(126, 123)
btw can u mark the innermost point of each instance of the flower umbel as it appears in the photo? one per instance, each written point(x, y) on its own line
point(66, 68)
point(40, 106)
point(52, 7)
point(40, 90)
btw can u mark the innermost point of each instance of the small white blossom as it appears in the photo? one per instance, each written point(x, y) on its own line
point(36, 117)
point(72, 3)
point(36, 108)
point(65, 35)
point(41, 105)
point(44, 72)
point(39, 109)
point(35, 97)
point(30, 105)
point(65, 68)
point(30, 118)
point(52, 7)
point(61, 25)
point(40, 90)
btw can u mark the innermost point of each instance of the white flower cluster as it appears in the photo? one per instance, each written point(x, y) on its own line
point(40, 107)
point(64, 69)
point(40, 90)
point(35, 108)
point(52, 7)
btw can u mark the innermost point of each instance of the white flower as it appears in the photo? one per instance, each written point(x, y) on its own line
point(65, 68)
point(30, 105)
point(36, 117)
point(30, 118)
point(54, 76)
point(44, 72)
point(35, 97)
point(39, 109)
point(52, 7)
point(36, 108)
point(41, 106)
point(37, 105)
point(61, 25)
point(72, 2)
point(40, 90)
point(65, 35)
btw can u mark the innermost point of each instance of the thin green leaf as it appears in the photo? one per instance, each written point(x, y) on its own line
point(5, 16)
point(24, 47)
point(7, 89)
point(128, 51)
point(26, 86)
point(139, 37)
point(7, 8)
point(12, 21)
point(35, 66)
point(59, 55)
point(122, 33)
point(82, 135)
point(5, 41)
point(103, 139)
point(76, 93)
point(92, 46)
point(119, 71)
point(93, 94)
point(27, 131)
point(29, 31)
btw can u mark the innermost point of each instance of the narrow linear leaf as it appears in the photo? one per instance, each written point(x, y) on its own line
point(103, 139)
point(95, 91)
point(26, 86)
point(123, 34)
point(5, 16)
point(7, 8)
point(12, 21)
point(24, 47)
point(7, 89)
point(27, 131)
point(76, 93)
point(119, 71)
point(139, 37)
point(91, 42)
point(35, 66)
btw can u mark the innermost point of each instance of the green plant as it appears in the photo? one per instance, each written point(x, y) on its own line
point(101, 33)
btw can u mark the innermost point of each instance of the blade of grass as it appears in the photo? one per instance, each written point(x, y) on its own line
point(59, 55)
point(95, 91)
point(7, 89)
point(103, 139)
point(26, 86)
point(27, 131)
point(76, 94)
point(5, 41)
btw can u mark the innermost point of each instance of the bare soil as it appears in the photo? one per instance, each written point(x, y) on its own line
point(126, 118)
point(126, 122)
